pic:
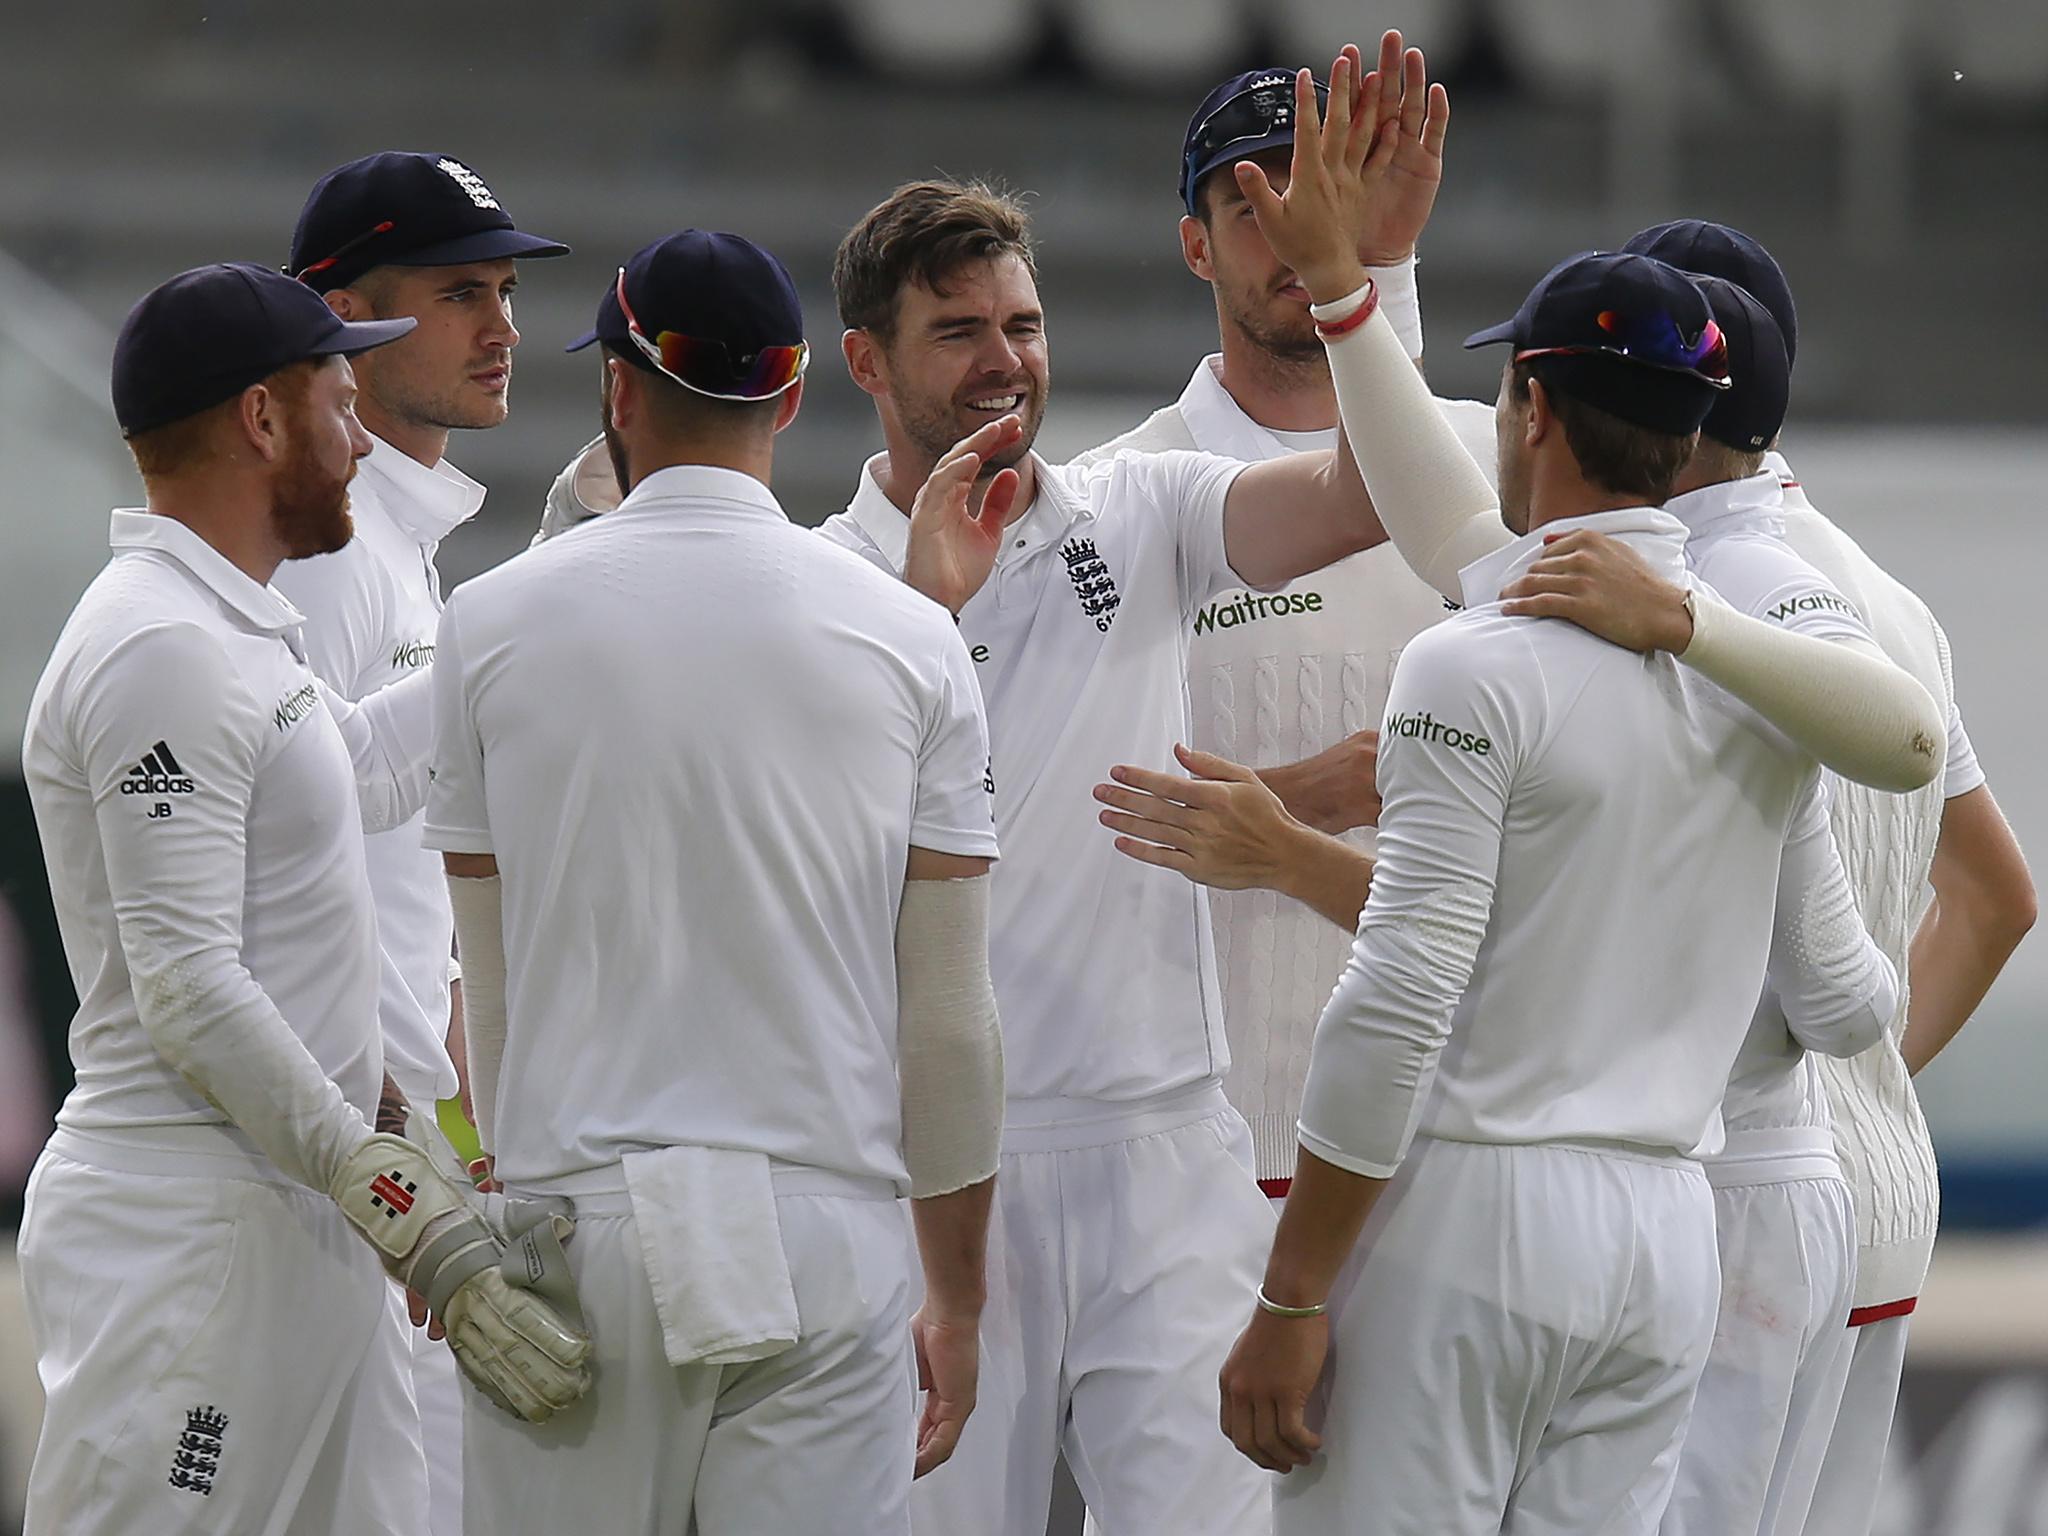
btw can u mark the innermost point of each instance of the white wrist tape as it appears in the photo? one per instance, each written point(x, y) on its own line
point(1400, 302)
point(480, 933)
point(1851, 708)
point(948, 1041)
point(1434, 502)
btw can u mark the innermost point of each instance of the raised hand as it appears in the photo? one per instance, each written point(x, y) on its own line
point(1317, 226)
point(1410, 118)
point(953, 545)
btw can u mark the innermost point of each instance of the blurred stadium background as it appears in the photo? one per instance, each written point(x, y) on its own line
point(1894, 156)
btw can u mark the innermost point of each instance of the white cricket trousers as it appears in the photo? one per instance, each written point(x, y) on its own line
point(1123, 1256)
point(1767, 1399)
point(221, 1353)
point(1514, 1347)
point(1845, 1502)
point(815, 1441)
point(437, 1389)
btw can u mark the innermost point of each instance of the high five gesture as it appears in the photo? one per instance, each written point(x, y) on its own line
point(1362, 179)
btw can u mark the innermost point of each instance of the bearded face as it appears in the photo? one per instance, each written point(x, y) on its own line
point(309, 482)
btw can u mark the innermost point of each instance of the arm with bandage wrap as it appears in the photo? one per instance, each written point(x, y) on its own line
point(1848, 706)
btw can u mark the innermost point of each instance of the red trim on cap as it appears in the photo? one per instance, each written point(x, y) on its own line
point(1275, 1189)
point(1879, 1314)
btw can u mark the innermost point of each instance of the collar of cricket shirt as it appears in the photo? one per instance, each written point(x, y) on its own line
point(262, 608)
point(1652, 533)
point(1053, 509)
point(1753, 504)
point(681, 487)
point(1218, 424)
point(427, 502)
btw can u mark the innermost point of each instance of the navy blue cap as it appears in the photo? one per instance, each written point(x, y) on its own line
point(208, 334)
point(1715, 250)
point(1626, 333)
point(713, 288)
point(1750, 411)
point(404, 209)
point(1245, 114)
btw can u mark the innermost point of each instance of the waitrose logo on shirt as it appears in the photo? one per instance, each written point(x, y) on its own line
point(1250, 607)
point(1426, 727)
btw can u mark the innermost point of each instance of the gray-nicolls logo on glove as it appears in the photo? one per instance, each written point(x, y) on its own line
point(492, 1271)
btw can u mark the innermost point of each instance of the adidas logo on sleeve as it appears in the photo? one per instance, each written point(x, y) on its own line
point(157, 774)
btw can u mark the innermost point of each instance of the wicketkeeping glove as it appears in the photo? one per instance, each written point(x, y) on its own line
point(501, 1290)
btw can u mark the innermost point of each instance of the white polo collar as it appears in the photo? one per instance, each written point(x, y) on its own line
point(426, 502)
point(696, 483)
point(1219, 424)
point(262, 608)
point(1054, 509)
point(1655, 535)
point(1755, 501)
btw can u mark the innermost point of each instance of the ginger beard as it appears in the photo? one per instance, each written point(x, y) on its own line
point(309, 501)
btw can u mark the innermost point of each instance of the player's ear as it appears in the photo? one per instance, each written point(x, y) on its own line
point(1541, 417)
point(1194, 247)
point(791, 402)
point(865, 361)
point(622, 393)
point(349, 306)
point(259, 422)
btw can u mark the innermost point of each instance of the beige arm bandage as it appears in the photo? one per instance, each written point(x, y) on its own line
point(480, 935)
point(948, 1043)
point(1434, 502)
point(1852, 709)
point(1847, 704)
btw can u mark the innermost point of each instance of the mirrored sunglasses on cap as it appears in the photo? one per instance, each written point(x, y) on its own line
point(1250, 114)
point(1654, 340)
point(690, 360)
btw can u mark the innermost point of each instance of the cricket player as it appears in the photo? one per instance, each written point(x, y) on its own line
point(1129, 1219)
point(420, 236)
point(1949, 837)
point(1292, 683)
point(1784, 1222)
point(1552, 809)
point(202, 800)
point(715, 805)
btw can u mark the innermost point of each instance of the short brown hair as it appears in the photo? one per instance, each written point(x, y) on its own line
point(923, 233)
point(185, 444)
point(1615, 455)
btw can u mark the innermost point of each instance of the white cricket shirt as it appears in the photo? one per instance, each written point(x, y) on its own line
point(1104, 969)
point(1887, 844)
point(1274, 678)
point(701, 742)
point(371, 611)
point(199, 811)
point(1578, 858)
point(1735, 543)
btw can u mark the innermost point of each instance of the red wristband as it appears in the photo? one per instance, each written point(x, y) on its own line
point(1330, 330)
